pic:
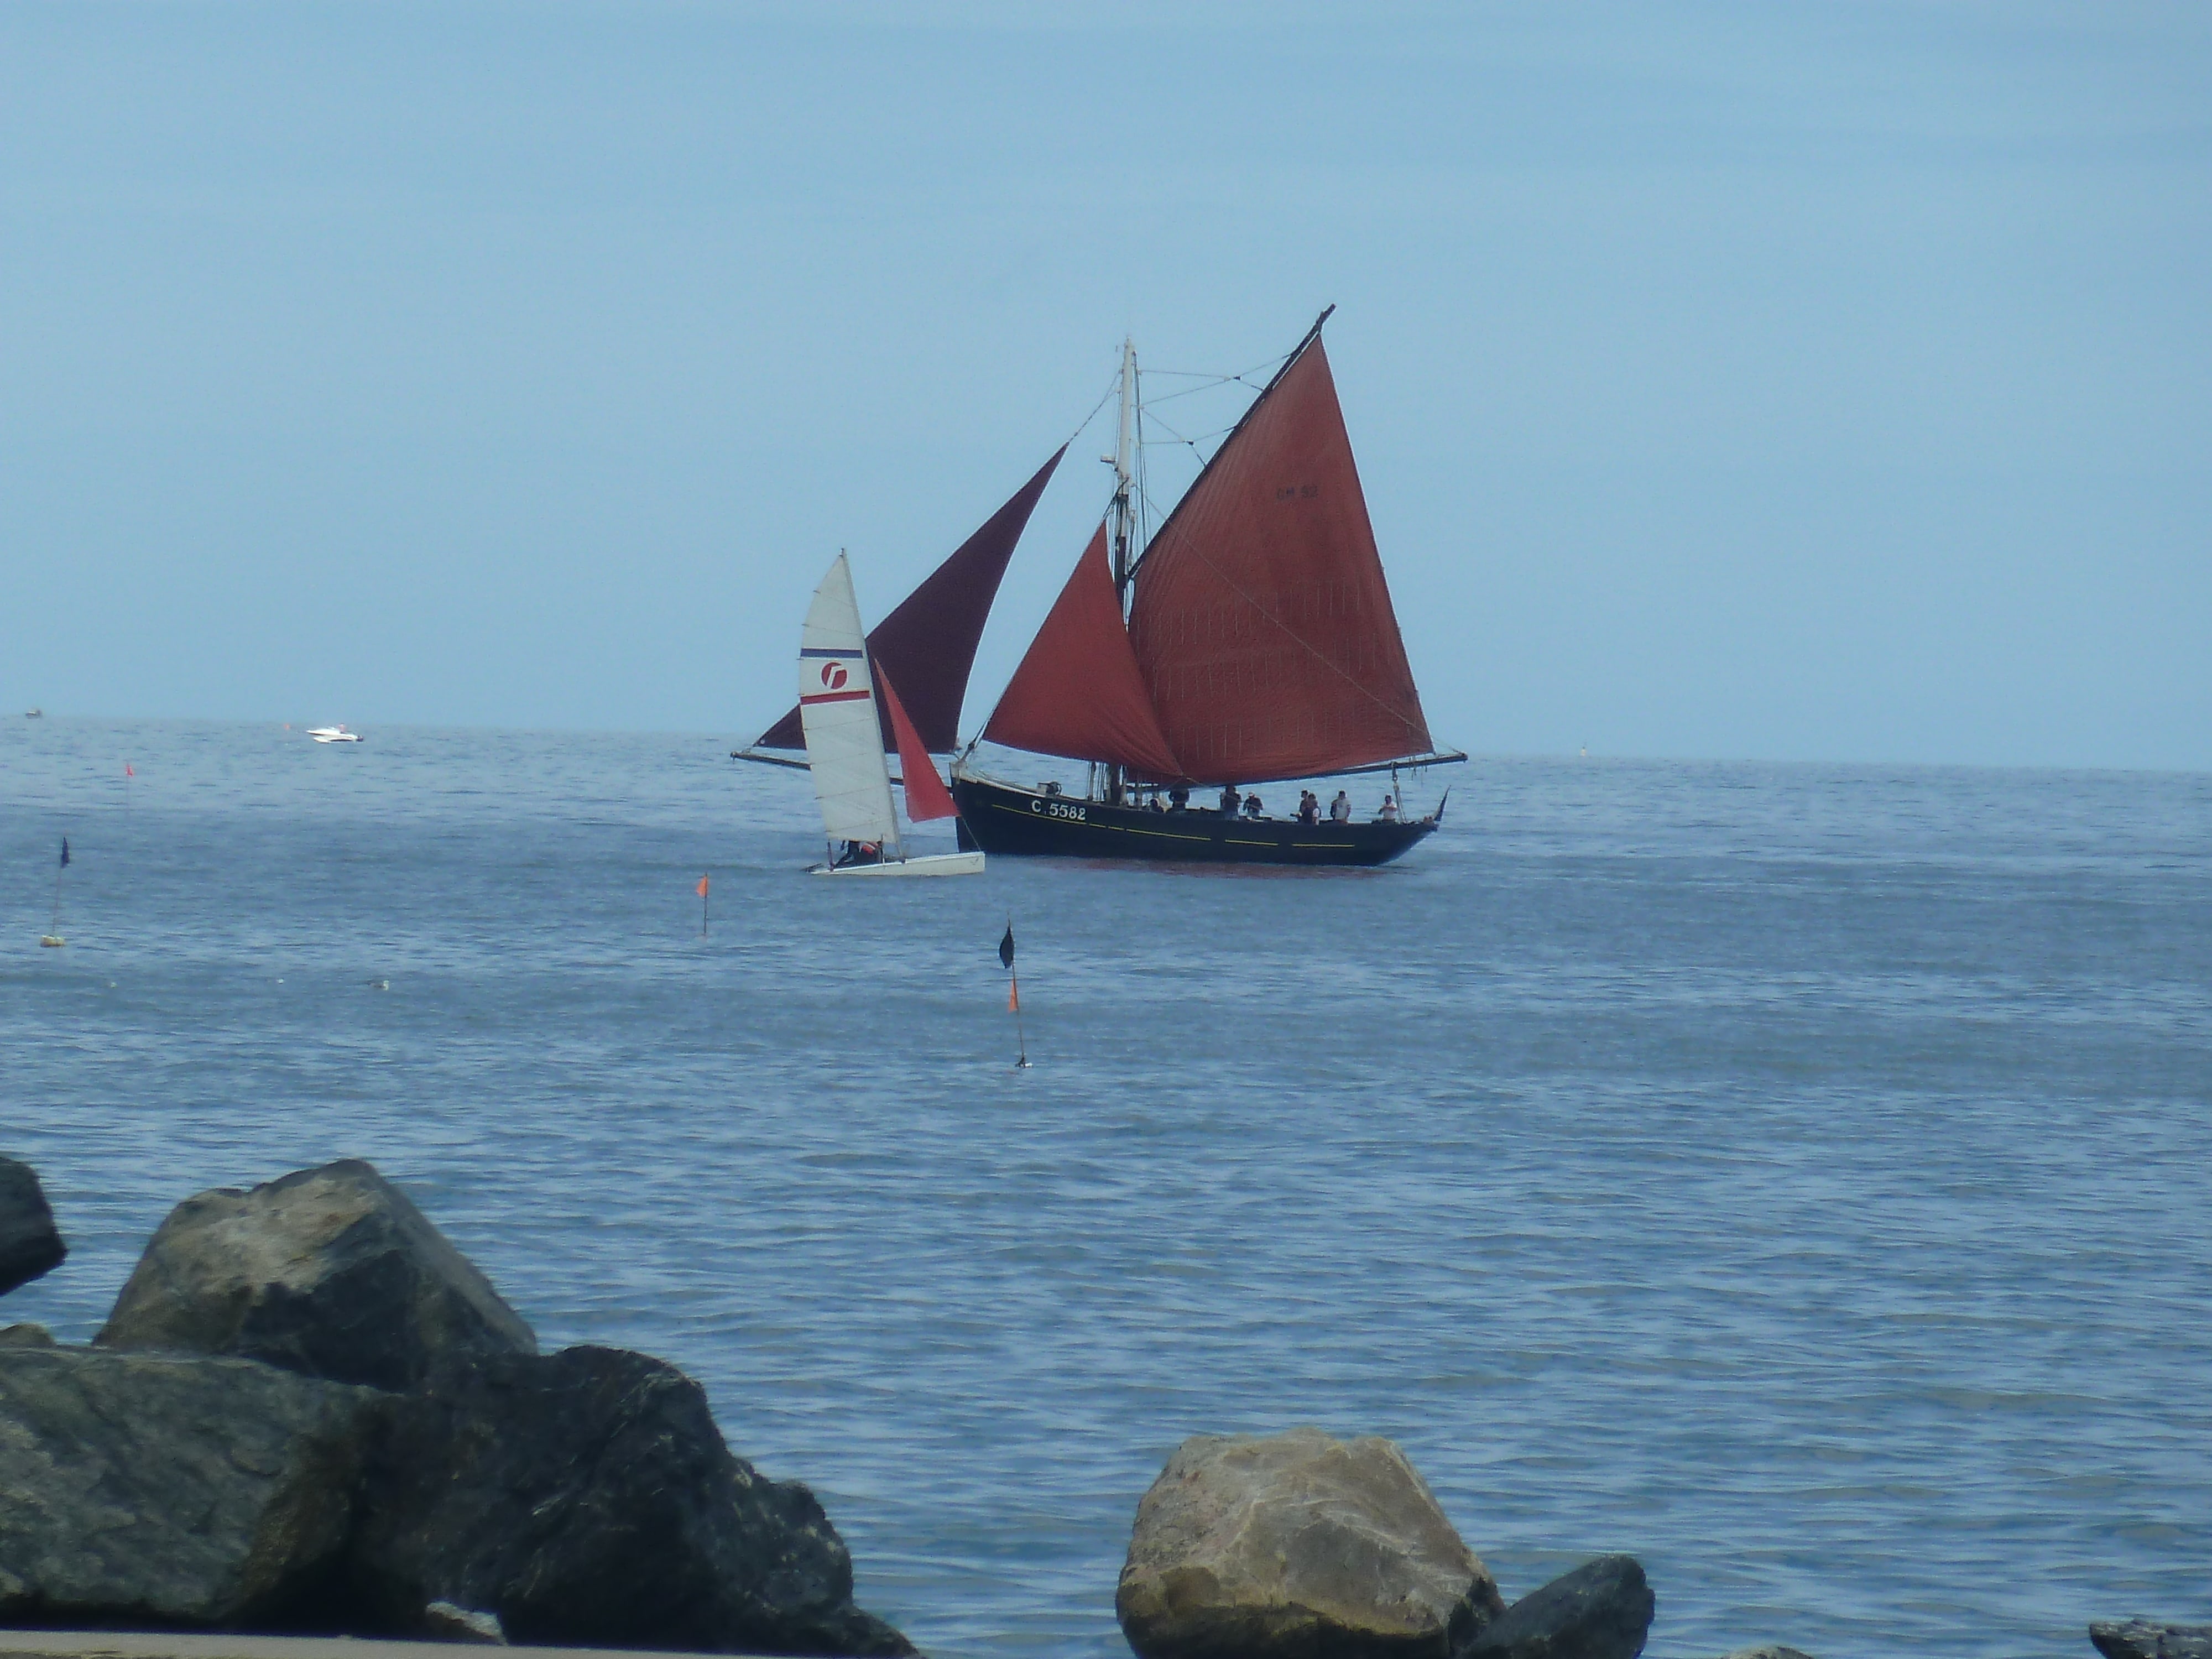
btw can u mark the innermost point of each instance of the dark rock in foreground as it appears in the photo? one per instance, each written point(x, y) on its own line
point(332, 1272)
point(1601, 1610)
point(29, 1243)
point(1768, 1651)
point(2138, 1638)
point(26, 1336)
point(586, 1498)
point(1297, 1545)
point(143, 1490)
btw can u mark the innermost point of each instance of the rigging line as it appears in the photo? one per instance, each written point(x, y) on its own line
point(1216, 374)
point(1203, 437)
point(1192, 390)
point(1112, 387)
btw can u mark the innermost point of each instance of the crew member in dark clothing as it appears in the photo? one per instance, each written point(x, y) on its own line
point(1229, 799)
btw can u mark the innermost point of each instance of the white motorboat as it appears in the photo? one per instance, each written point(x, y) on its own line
point(845, 748)
point(333, 734)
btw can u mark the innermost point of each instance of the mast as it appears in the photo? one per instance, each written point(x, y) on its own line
point(1124, 512)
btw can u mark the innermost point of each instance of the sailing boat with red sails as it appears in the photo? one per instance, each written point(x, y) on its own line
point(1249, 640)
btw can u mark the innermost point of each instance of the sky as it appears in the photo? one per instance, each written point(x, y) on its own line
point(1825, 382)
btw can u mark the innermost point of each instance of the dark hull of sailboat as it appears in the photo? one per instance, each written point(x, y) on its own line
point(999, 819)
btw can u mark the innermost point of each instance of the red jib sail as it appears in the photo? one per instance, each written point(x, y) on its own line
point(1261, 621)
point(929, 641)
point(926, 796)
point(1077, 691)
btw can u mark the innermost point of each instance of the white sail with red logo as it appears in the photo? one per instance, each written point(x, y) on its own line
point(837, 712)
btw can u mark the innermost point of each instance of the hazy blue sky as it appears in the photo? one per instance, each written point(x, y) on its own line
point(1798, 380)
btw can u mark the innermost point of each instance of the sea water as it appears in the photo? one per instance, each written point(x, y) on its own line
point(1796, 1176)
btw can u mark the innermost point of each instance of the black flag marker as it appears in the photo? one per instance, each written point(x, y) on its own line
point(64, 865)
point(53, 935)
point(1014, 993)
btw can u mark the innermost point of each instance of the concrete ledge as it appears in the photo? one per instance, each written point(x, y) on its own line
point(171, 1644)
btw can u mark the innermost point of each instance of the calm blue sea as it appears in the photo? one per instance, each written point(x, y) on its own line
point(1794, 1176)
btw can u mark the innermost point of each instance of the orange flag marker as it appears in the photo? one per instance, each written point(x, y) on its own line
point(702, 907)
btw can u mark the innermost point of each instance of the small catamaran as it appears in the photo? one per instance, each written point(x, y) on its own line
point(838, 721)
point(1250, 639)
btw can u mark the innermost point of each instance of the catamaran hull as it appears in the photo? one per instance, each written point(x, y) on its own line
point(936, 863)
point(999, 819)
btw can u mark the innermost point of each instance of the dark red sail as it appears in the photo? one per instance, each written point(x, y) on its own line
point(1261, 620)
point(1077, 691)
point(929, 642)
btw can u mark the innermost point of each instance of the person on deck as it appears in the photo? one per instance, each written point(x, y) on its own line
point(1229, 799)
point(1339, 810)
point(1178, 800)
point(1252, 807)
point(1390, 812)
point(1309, 807)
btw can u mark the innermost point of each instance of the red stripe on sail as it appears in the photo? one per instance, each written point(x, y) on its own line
point(1077, 691)
point(929, 641)
point(926, 797)
point(831, 697)
point(1269, 645)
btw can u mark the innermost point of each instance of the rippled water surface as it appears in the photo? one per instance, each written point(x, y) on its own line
point(1796, 1176)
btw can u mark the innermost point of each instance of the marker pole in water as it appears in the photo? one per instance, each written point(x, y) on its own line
point(54, 927)
point(1014, 993)
point(702, 907)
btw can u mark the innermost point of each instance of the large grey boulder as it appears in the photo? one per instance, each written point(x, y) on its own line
point(1601, 1610)
point(585, 1499)
point(143, 1490)
point(1295, 1544)
point(2139, 1638)
point(29, 1243)
point(330, 1273)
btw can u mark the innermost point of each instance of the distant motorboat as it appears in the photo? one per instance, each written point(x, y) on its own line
point(333, 734)
point(33, 713)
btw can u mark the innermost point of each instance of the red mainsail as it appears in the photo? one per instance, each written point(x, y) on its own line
point(1261, 622)
point(929, 641)
point(1077, 691)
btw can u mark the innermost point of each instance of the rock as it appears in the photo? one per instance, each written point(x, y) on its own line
point(330, 1273)
point(29, 1245)
point(1770, 1651)
point(26, 1336)
point(137, 1489)
point(444, 1622)
point(1295, 1544)
point(585, 1499)
point(2139, 1638)
point(1601, 1610)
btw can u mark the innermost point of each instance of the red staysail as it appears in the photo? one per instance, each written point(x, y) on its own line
point(929, 641)
point(1264, 628)
point(926, 796)
point(1077, 691)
